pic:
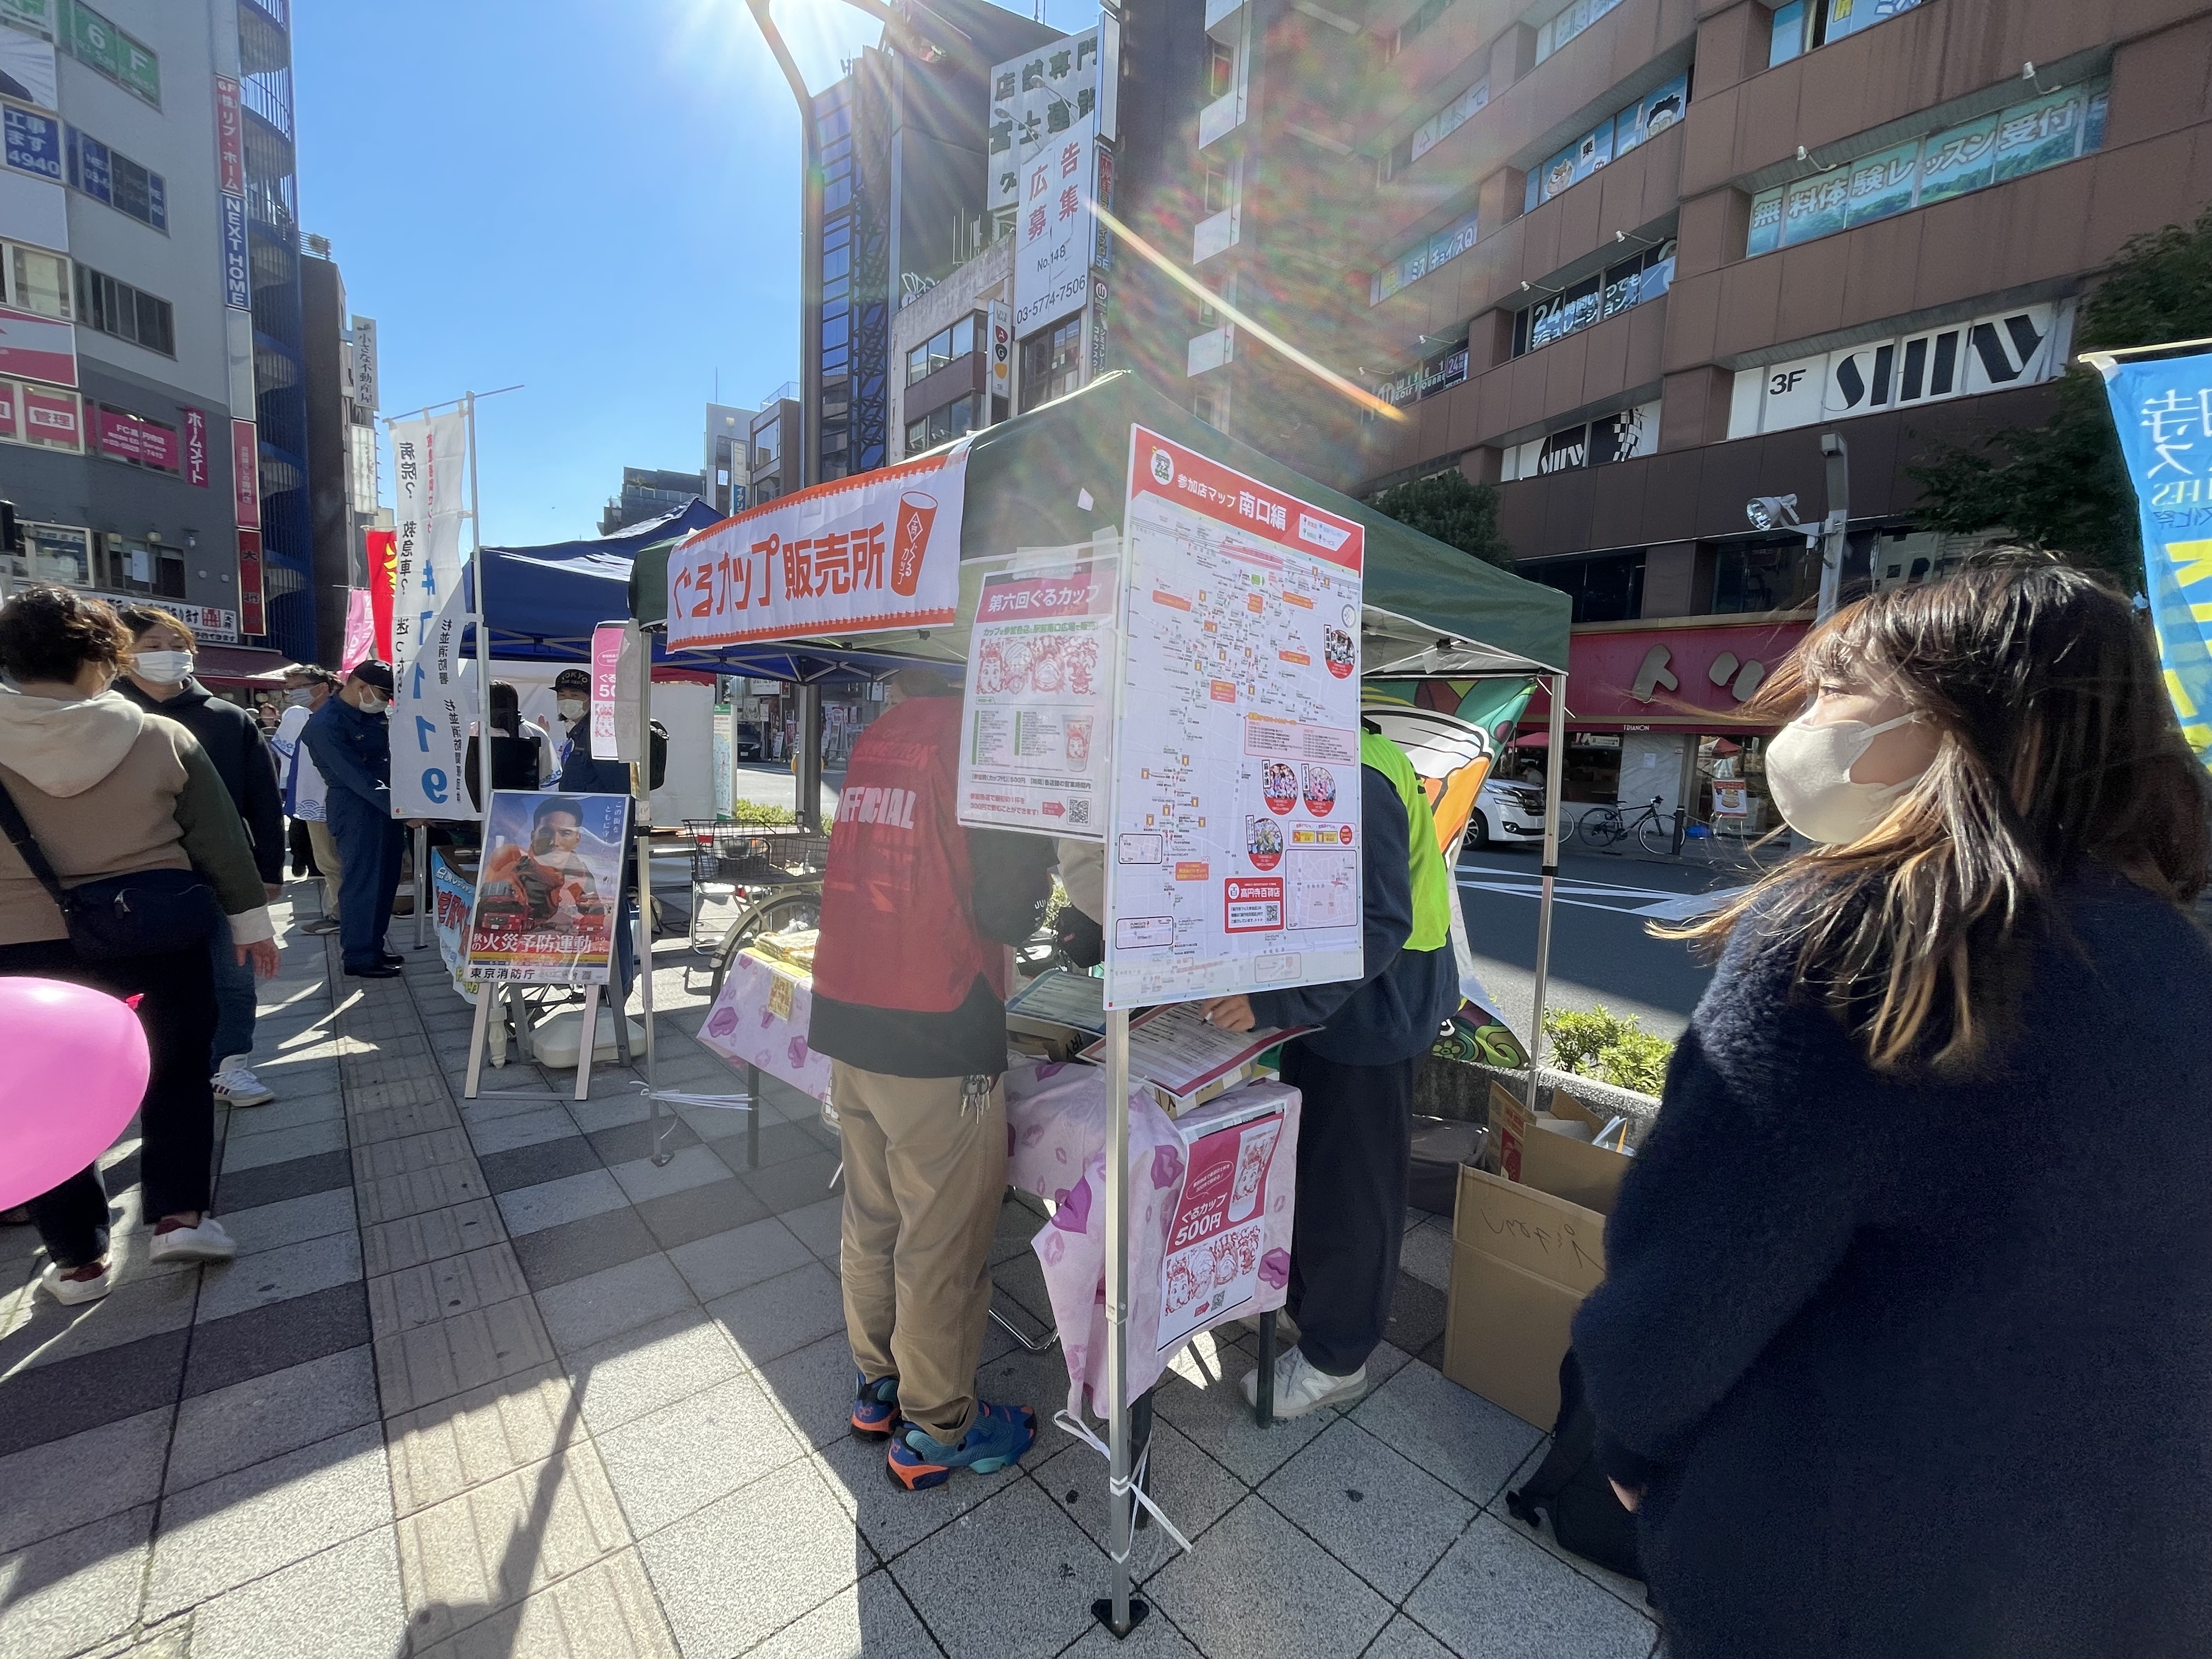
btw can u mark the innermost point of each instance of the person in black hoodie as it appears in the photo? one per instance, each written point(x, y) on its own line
point(158, 678)
point(1903, 1344)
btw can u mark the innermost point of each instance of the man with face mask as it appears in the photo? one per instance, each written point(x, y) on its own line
point(157, 676)
point(350, 741)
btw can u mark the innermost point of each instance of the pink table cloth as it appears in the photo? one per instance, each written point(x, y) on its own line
point(759, 1019)
point(1212, 1199)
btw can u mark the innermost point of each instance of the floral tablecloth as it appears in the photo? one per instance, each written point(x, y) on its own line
point(761, 1019)
point(1212, 1199)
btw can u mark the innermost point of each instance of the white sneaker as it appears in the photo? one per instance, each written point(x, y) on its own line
point(205, 1242)
point(1300, 1386)
point(71, 1292)
point(234, 1085)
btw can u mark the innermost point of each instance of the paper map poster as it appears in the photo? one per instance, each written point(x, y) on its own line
point(1234, 860)
point(1039, 698)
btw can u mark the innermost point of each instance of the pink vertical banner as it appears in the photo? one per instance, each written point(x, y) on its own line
point(360, 630)
point(196, 448)
point(245, 473)
point(614, 690)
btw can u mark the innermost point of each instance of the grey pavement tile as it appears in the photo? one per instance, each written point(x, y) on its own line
point(1427, 1254)
point(1011, 1375)
point(291, 1111)
point(232, 1428)
point(781, 1315)
point(404, 1154)
point(1213, 1414)
point(272, 1184)
point(342, 1603)
point(245, 1525)
point(892, 1519)
point(1314, 1607)
point(594, 1116)
point(1627, 1590)
point(780, 1142)
point(280, 1275)
point(1459, 1438)
point(538, 1162)
point(277, 1336)
point(438, 1189)
point(531, 1209)
point(1017, 1536)
point(868, 1619)
point(41, 1331)
point(530, 1128)
point(688, 1167)
point(820, 1226)
point(517, 1097)
point(1193, 1490)
point(368, 1125)
point(712, 1122)
point(1156, 1638)
point(557, 1254)
point(1498, 1594)
point(440, 1451)
point(1417, 1315)
point(1022, 1278)
point(729, 1262)
point(644, 1370)
point(65, 1483)
point(259, 1149)
point(48, 1403)
point(431, 1363)
point(698, 1212)
point(587, 1311)
point(794, 1184)
point(814, 1390)
point(486, 1549)
point(1369, 1507)
point(1401, 1638)
point(291, 1221)
point(393, 1246)
point(741, 1569)
point(441, 1289)
point(76, 1590)
point(607, 1611)
point(625, 1143)
point(685, 1456)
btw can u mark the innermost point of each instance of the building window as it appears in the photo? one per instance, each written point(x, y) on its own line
point(1051, 363)
point(110, 176)
point(1765, 576)
point(2037, 133)
point(940, 426)
point(52, 553)
point(1618, 289)
point(120, 436)
point(1220, 68)
point(48, 416)
point(1608, 140)
point(767, 443)
point(1220, 188)
point(1802, 24)
point(1570, 21)
point(944, 346)
point(1606, 587)
point(127, 312)
point(34, 281)
point(1209, 407)
point(127, 565)
point(1417, 24)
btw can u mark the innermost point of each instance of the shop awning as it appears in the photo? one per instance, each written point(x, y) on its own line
point(239, 665)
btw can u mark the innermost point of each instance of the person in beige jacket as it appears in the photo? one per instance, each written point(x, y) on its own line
point(107, 788)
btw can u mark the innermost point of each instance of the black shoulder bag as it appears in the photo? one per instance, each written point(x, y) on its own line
point(144, 914)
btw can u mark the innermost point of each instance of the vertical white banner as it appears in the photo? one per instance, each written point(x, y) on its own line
point(432, 709)
point(410, 484)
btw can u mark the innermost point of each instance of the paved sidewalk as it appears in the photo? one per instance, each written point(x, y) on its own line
point(486, 1381)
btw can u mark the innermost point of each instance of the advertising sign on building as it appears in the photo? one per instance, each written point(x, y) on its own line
point(1053, 226)
point(547, 888)
point(1233, 860)
point(857, 556)
point(35, 16)
point(229, 138)
point(27, 68)
point(207, 621)
point(237, 281)
point(95, 41)
point(37, 348)
point(364, 363)
point(196, 447)
point(251, 609)
point(1036, 99)
point(127, 438)
point(52, 418)
point(1002, 350)
point(246, 474)
point(33, 142)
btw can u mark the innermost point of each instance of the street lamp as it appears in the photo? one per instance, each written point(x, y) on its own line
point(1838, 462)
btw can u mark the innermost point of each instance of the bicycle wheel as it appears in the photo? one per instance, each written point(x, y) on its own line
point(1601, 826)
point(798, 906)
point(1655, 834)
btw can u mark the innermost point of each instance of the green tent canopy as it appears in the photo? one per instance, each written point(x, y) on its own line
point(1057, 476)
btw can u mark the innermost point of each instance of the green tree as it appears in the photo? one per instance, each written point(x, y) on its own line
point(2063, 485)
point(1457, 512)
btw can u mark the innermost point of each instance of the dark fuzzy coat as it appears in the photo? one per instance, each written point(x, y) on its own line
point(1926, 1368)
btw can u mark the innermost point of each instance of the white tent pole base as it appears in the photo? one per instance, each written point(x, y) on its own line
point(1118, 1611)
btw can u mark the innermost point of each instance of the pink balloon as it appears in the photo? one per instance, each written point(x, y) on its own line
point(75, 1073)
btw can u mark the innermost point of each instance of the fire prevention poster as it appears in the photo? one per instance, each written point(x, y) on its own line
point(1234, 855)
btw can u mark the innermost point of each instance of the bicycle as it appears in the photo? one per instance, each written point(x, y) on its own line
point(1601, 826)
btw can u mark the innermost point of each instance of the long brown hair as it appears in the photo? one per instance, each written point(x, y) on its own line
point(2058, 749)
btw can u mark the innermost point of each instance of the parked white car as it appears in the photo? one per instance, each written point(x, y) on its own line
point(1508, 813)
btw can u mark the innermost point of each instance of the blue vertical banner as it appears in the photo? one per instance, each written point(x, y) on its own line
point(2164, 413)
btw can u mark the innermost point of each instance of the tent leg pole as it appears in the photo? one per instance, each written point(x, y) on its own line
point(806, 764)
point(1119, 1612)
point(643, 831)
point(421, 886)
point(1554, 771)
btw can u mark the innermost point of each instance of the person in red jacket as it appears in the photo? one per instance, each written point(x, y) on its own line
point(909, 1004)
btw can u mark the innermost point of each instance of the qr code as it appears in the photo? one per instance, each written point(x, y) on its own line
point(1078, 811)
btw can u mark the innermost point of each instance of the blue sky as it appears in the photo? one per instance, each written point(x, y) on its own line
point(599, 201)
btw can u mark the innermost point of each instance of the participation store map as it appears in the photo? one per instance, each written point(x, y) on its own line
point(1236, 838)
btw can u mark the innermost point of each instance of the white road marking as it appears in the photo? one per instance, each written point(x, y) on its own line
point(1660, 903)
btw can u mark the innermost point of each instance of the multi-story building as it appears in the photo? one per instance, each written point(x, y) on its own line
point(146, 146)
point(770, 433)
point(648, 493)
point(728, 464)
point(341, 399)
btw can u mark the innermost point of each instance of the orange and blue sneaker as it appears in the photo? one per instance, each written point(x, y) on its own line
point(998, 1438)
point(875, 1408)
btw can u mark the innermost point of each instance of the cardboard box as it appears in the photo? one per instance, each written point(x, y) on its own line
point(1560, 1164)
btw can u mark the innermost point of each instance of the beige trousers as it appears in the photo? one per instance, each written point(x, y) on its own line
point(328, 861)
point(923, 1181)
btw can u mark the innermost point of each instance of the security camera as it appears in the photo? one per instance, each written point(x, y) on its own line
point(1770, 512)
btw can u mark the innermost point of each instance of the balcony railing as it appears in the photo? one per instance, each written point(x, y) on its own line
point(278, 12)
point(1210, 236)
point(266, 100)
point(1221, 118)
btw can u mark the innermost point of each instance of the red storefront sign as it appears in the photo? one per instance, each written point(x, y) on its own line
point(245, 475)
point(1689, 678)
point(229, 136)
point(196, 449)
point(126, 439)
point(37, 348)
point(10, 433)
point(253, 617)
point(52, 418)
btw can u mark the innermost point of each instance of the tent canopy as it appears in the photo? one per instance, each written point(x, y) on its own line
point(1058, 475)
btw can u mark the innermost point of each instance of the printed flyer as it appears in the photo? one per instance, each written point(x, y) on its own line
point(547, 888)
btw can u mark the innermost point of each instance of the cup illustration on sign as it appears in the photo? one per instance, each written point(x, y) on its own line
point(916, 513)
point(1252, 1151)
point(1079, 742)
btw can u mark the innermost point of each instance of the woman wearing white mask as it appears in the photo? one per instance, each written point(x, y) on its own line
point(1904, 1340)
